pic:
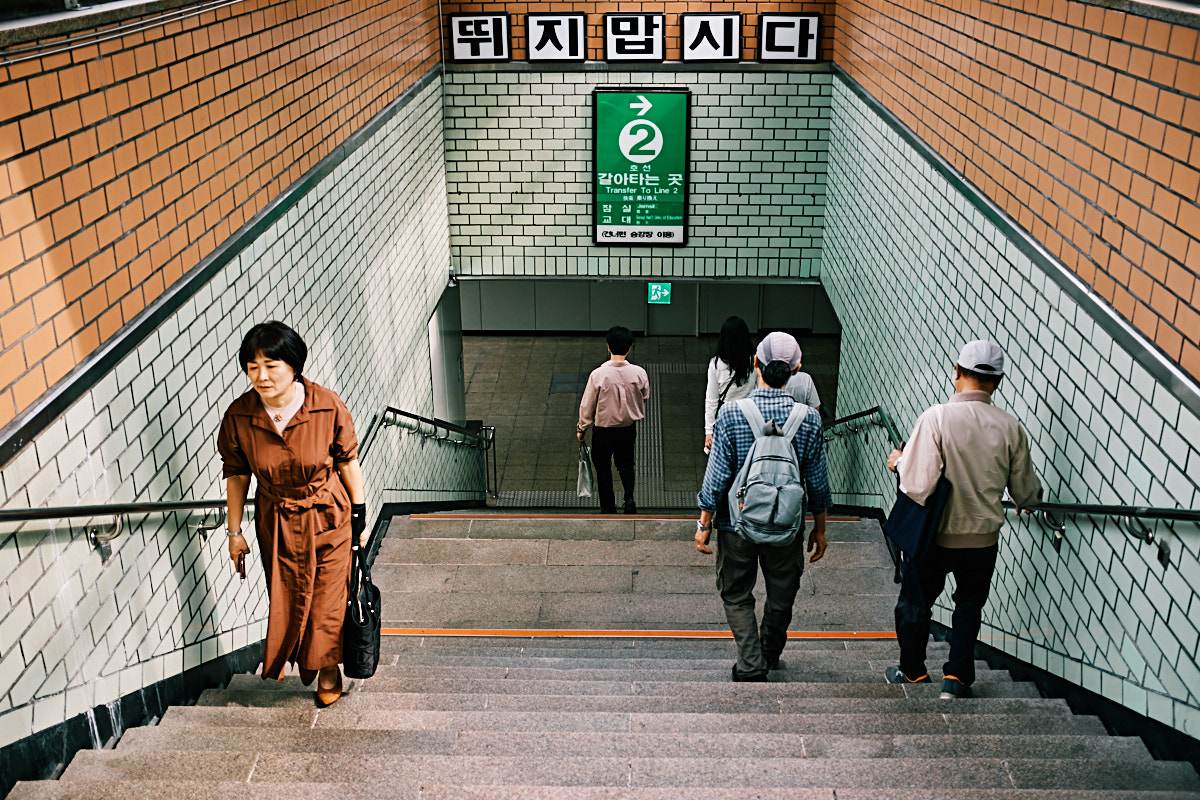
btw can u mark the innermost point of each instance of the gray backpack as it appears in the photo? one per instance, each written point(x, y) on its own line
point(766, 502)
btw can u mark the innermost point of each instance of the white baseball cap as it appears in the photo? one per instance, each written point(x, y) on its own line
point(983, 357)
point(778, 346)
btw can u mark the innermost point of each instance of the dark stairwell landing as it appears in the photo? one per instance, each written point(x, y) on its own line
point(529, 387)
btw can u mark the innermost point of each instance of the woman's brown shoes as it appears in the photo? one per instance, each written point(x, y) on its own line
point(329, 696)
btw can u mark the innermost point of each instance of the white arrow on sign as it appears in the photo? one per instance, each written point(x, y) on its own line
point(645, 105)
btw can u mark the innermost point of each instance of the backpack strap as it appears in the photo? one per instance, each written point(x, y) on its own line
point(795, 419)
point(753, 416)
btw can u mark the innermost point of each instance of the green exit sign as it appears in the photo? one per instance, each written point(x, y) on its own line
point(659, 293)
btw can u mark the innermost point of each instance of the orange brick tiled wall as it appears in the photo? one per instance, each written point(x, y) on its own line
point(129, 154)
point(1079, 121)
point(596, 11)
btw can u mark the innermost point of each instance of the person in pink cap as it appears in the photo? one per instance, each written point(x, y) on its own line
point(981, 450)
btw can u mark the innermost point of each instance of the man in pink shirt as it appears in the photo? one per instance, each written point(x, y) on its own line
point(614, 400)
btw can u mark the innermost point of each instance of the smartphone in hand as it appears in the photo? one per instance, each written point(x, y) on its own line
point(241, 565)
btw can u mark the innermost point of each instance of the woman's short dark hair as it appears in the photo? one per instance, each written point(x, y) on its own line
point(619, 339)
point(275, 341)
point(776, 374)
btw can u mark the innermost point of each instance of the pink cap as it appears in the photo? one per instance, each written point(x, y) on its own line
point(778, 346)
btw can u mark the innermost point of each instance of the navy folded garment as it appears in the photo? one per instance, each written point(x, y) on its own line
point(912, 526)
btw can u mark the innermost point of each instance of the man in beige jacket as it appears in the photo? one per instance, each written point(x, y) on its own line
point(981, 450)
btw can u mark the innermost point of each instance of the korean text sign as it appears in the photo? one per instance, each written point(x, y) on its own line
point(640, 164)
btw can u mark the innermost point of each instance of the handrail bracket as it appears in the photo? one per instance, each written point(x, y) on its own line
point(100, 538)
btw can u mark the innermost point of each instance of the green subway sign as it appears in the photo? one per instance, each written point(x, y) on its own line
point(658, 294)
point(640, 166)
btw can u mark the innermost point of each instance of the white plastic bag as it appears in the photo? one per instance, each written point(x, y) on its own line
point(586, 484)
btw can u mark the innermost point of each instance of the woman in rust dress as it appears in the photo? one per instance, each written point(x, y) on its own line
point(297, 439)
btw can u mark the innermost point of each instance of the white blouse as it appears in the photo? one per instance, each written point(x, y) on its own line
point(720, 376)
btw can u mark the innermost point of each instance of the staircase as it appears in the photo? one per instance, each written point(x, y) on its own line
point(622, 716)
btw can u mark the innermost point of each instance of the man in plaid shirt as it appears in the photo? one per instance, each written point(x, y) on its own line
point(738, 560)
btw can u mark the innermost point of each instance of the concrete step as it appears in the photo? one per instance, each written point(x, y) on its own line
point(651, 696)
point(646, 647)
point(914, 773)
point(436, 792)
point(393, 647)
point(713, 689)
point(388, 676)
point(822, 661)
point(512, 744)
point(201, 789)
point(240, 790)
point(872, 720)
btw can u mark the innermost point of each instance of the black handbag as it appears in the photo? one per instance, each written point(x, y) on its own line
point(912, 527)
point(360, 633)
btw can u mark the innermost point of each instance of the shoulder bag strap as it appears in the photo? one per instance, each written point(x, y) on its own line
point(795, 419)
point(753, 416)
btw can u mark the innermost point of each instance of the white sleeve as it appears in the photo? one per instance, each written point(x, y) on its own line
point(711, 397)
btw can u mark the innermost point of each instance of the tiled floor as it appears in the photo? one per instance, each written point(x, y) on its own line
point(527, 387)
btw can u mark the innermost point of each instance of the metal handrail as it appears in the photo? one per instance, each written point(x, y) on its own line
point(882, 421)
point(1051, 516)
point(484, 439)
point(481, 441)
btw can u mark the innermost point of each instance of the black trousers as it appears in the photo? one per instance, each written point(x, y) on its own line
point(921, 583)
point(613, 445)
point(738, 562)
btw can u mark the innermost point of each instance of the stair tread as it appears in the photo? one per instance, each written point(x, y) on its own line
point(676, 772)
point(650, 645)
point(698, 721)
point(626, 744)
point(822, 660)
point(88, 789)
point(707, 671)
point(713, 688)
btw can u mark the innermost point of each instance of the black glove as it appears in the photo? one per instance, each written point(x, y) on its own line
point(358, 521)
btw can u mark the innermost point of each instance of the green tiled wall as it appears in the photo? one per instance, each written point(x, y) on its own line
point(914, 270)
point(518, 155)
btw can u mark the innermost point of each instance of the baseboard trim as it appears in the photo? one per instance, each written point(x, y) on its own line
point(46, 753)
point(1163, 741)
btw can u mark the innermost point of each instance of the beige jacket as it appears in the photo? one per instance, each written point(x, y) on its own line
point(983, 450)
point(615, 396)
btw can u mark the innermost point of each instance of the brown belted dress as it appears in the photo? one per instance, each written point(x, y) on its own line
point(301, 518)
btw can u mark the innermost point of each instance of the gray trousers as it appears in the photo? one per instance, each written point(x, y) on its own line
point(738, 562)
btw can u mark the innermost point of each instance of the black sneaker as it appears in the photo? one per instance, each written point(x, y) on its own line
point(894, 675)
point(953, 688)
point(740, 678)
point(630, 507)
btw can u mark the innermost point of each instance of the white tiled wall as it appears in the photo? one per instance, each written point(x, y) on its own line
point(357, 267)
point(914, 270)
point(518, 160)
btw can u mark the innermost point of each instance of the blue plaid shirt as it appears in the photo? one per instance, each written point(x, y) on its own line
point(731, 443)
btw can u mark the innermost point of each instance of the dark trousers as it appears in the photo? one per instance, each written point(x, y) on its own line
point(616, 445)
point(920, 585)
point(738, 562)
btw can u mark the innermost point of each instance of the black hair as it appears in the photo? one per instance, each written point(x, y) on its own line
point(619, 339)
point(776, 374)
point(988, 379)
point(736, 348)
point(275, 341)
